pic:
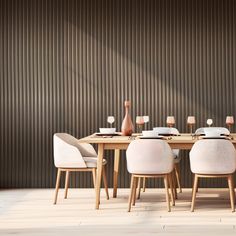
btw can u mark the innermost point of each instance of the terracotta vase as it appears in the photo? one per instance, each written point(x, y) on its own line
point(127, 125)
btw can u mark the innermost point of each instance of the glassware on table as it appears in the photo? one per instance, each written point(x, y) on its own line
point(146, 119)
point(170, 121)
point(209, 122)
point(191, 121)
point(140, 123)
point(111, 120)
point(229, 122)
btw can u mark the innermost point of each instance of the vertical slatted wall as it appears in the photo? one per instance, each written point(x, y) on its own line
point(65, 65)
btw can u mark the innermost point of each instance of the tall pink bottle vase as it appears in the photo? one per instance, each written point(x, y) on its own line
point(127, 126)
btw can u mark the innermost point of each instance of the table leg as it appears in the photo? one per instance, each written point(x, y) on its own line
point(99, 173)
point(116, 171)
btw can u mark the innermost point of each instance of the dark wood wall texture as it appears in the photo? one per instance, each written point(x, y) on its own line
point(66, 65)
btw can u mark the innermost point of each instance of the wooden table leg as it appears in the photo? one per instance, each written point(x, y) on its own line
point(116, 172)
point(99, 173)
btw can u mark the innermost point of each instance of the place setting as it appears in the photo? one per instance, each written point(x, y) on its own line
point(211, 132)
point(108, 132)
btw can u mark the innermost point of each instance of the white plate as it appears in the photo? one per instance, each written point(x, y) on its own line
point(151, 137)
point(106, 134)
point(212, 137)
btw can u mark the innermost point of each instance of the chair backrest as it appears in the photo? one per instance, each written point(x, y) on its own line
point(149, 157)
point(213, 156)
point(222, 130)
point(67, 151)
point(168, 130)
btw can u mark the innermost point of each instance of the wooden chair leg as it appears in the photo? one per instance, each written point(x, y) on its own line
point(167, 192)
point(57, 185)
point(135, 191)
point(67, 183)
point(94, 177)
point(171, 189)
point(233, 188)
point(177, 173)
point(193, 184)
point(174, 184)
point(94, 172)
point(105, 181)
point(231, 191)
point(144, 184)
point(139, 187)
point(194, 191)
point(131, 192)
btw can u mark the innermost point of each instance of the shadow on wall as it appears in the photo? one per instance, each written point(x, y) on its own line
point(168, 57)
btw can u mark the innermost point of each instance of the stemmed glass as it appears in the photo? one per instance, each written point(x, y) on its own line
point(111, 120)
point(229, 121)
point(191, 121)
point(146, 119)
point(170, 121)
point(140, 123)
point(209, 122)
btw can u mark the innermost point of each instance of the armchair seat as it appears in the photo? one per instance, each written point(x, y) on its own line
point(150, 159)
point(213, 158)
point(91, 162)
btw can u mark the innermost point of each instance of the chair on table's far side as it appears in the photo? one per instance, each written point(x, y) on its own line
point(213, 158)
point(222, 130)
point(177, 159)
point(72, 156)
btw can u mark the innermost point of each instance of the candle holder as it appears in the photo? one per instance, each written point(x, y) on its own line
point(170, 121)
point(229, 122)
point(140, 123)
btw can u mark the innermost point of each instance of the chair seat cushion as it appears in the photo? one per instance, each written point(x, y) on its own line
point(91, 162)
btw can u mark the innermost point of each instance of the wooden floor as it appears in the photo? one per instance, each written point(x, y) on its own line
point(31, 212)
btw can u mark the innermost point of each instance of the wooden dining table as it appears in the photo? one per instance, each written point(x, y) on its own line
point(118, 142)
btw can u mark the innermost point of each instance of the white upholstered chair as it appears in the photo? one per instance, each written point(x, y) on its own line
point(177, 157)
point(70, 155)
point(213, 158)
point(222, 130)
point(150, 159)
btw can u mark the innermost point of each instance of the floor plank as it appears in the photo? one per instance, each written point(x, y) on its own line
point(31, 212)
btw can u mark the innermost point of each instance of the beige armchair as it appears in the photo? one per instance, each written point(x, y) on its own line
point(69, 156)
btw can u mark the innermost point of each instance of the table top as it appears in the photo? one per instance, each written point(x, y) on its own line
point(182, 138)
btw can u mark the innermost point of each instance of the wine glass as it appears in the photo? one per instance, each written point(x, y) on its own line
point(140, 123)
point(111, 120)
point(229, 121)
point(191, 121)
point(209, 122)
point(146, 119)
point(170, 120)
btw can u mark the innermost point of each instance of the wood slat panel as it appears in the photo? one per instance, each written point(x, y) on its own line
point(66, 65)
